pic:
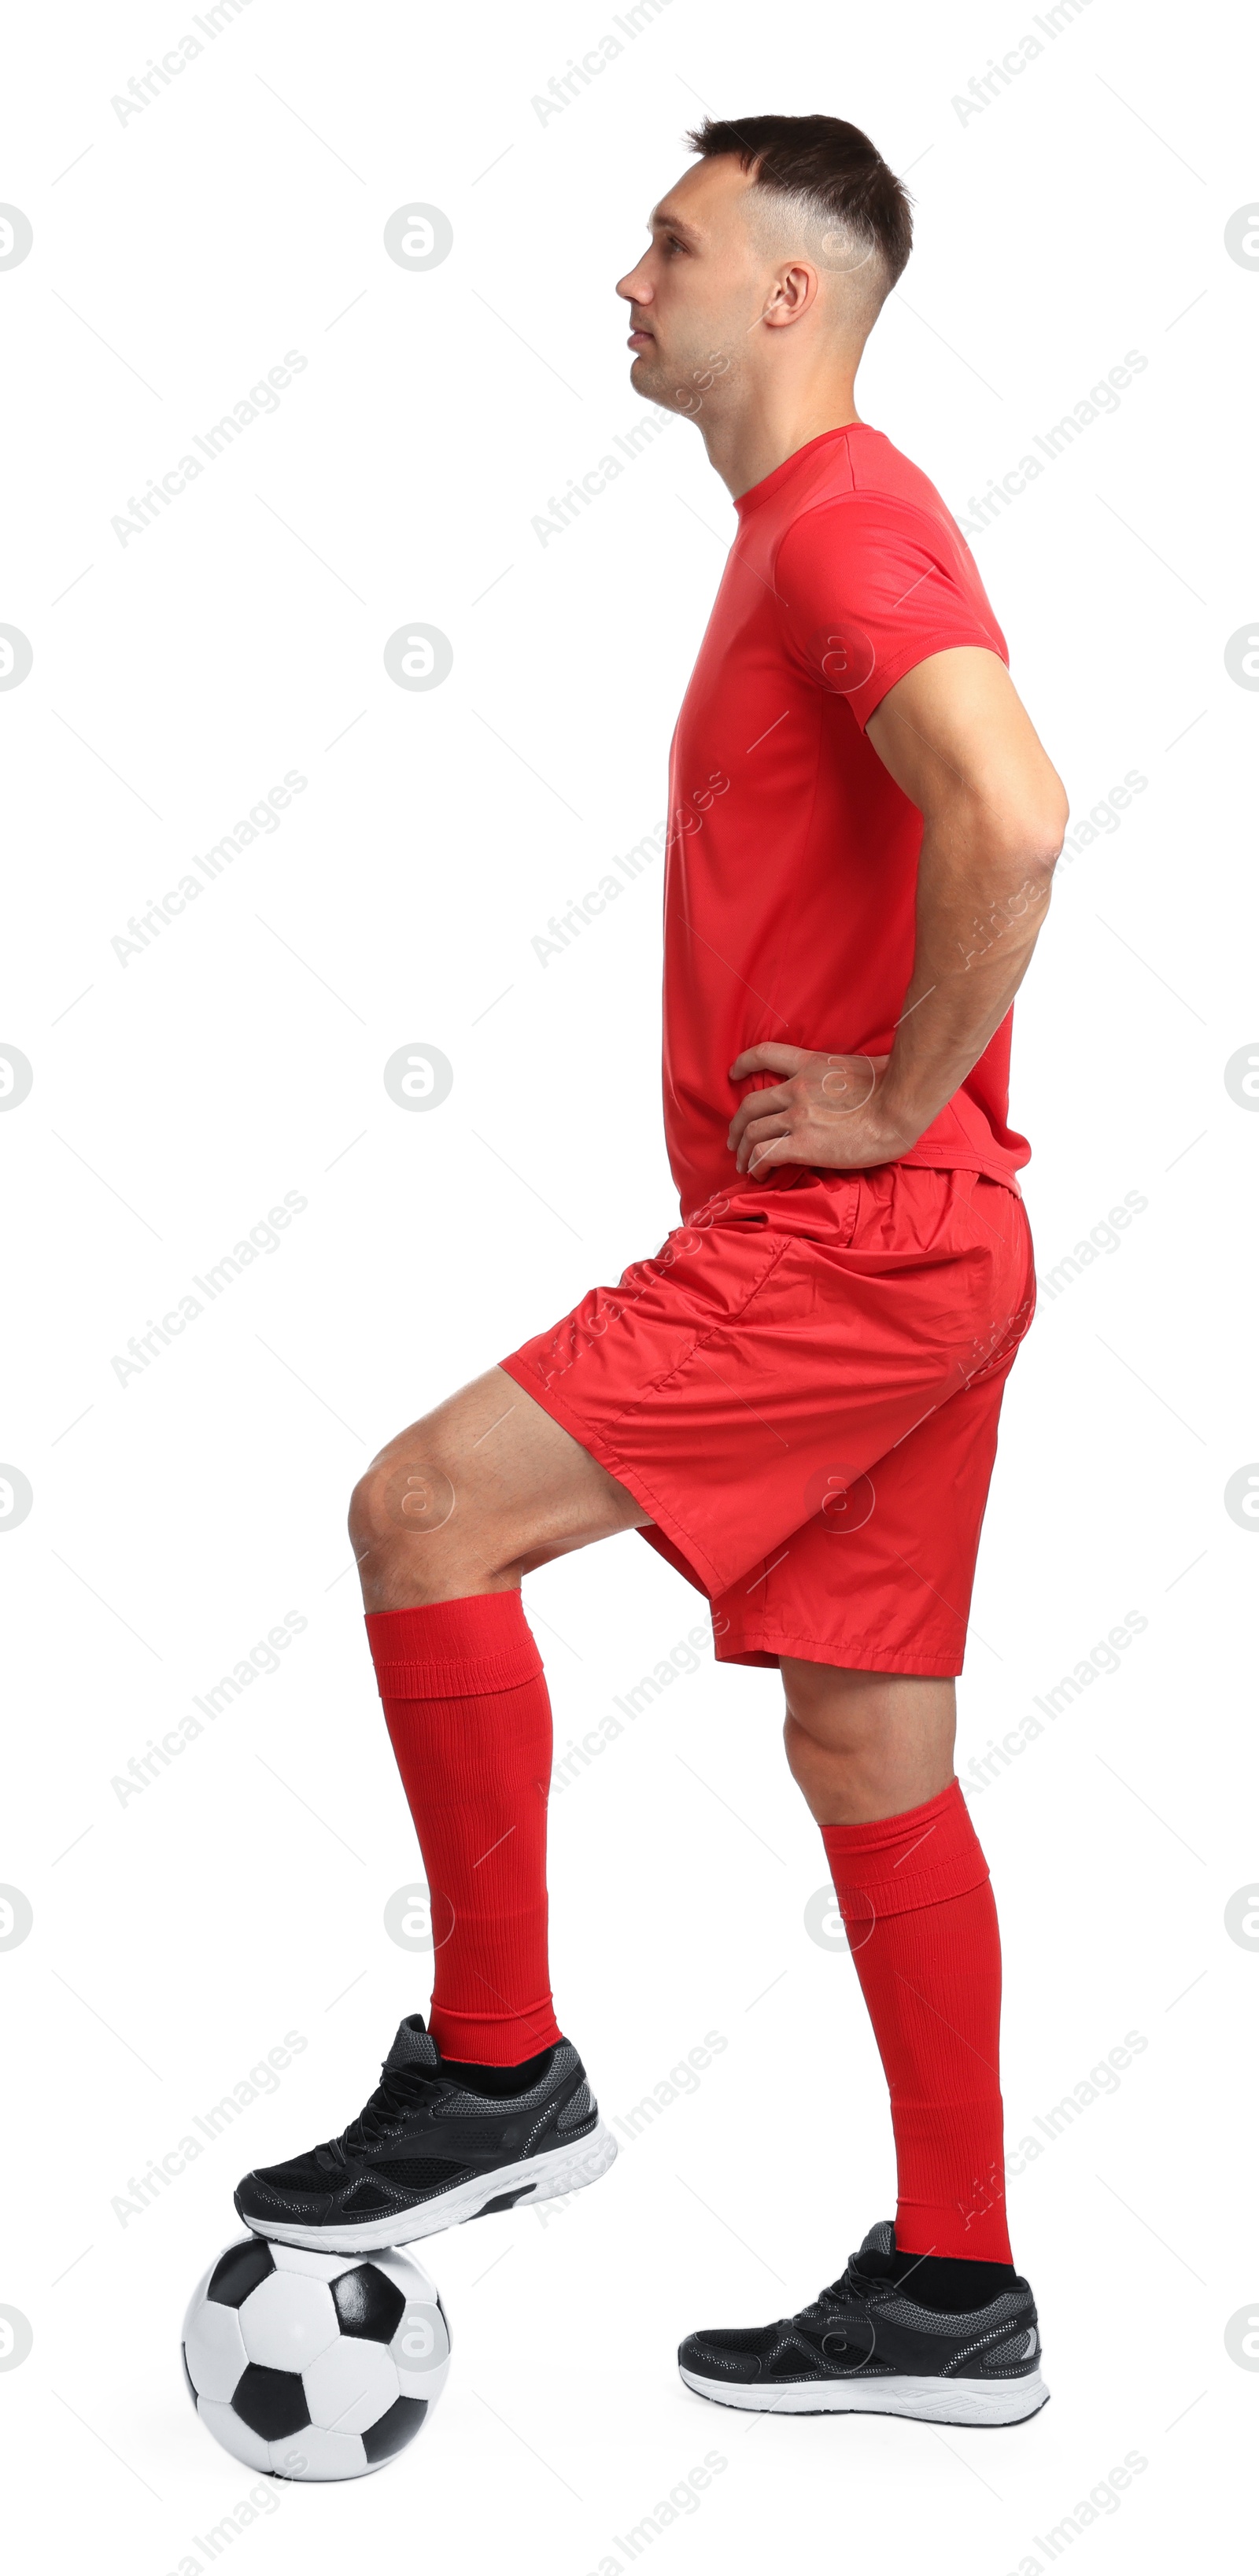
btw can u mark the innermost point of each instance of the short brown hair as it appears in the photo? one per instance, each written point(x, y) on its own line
point(831, 166)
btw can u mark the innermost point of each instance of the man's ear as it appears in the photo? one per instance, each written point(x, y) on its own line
point(794, 291)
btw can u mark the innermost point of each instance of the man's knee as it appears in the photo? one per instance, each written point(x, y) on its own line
point(822, 1748)
point(827, 1704)
point(838, 1721)
point(406, 1493)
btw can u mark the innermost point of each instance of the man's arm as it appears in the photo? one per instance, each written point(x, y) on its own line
point(957, 740)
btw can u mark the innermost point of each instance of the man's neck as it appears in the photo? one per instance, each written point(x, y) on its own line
point(744, 446)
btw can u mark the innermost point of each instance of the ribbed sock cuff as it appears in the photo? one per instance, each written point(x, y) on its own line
point(453, 1649)
point(899, 1862)
point(488, 2040)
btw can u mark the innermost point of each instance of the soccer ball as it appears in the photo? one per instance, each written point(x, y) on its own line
point(314, 2365)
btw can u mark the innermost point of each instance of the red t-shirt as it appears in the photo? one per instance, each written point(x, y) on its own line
point(792, 854)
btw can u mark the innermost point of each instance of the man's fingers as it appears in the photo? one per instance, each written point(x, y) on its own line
point(779, 1149)
point(761, 1132)
point(775, 1122)
point(759, 1104)
point(769, 1057)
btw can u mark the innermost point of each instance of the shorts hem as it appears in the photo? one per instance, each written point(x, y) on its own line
point(766, 1644)
point(708, 1578)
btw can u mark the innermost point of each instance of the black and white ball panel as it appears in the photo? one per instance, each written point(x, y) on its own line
point(314, 2365)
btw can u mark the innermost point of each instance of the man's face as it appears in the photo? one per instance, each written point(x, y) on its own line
point(698, 292)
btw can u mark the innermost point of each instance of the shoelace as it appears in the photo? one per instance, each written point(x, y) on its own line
point(401, 2089)
point(853, 2288)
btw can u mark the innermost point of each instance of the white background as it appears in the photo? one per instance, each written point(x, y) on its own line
point(178, 1516)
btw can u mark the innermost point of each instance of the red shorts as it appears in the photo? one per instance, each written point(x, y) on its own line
point(802, 1388)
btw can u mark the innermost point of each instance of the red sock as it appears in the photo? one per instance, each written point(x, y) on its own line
point(470, 1723)
point(922, 1925)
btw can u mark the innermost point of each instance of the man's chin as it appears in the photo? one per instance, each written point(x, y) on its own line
point(649, 377)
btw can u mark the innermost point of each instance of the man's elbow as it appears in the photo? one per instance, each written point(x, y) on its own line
point(1006, 830)
point(1043, 829)
point(1024, 833)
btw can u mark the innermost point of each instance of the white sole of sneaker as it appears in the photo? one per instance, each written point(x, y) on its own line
point(929, 2401)
point(546, 2177)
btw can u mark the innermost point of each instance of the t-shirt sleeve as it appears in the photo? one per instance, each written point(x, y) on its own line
point(868, 588)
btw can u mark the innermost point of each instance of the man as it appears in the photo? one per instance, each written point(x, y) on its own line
point(796, 1400)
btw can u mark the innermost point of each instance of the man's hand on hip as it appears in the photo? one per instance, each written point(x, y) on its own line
point(826, 1110)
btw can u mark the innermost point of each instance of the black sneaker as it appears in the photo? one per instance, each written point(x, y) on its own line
point(866, 2347)
point(435, 2146)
